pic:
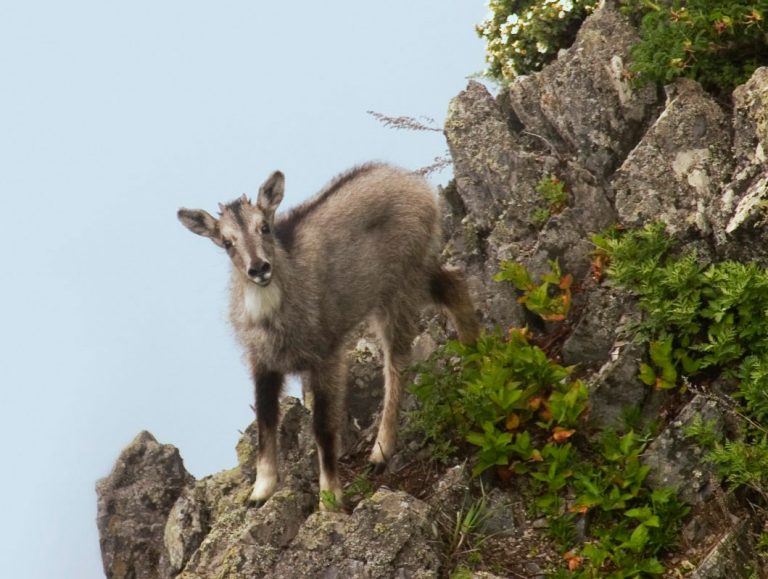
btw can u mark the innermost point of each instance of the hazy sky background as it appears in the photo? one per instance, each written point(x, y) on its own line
point(112, 315)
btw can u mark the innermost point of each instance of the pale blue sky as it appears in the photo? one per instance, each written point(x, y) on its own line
point(112, 315)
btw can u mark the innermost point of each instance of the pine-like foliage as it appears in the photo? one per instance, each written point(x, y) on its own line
point(702, 320)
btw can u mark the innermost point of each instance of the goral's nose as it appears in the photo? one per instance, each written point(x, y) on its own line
point(259, 269)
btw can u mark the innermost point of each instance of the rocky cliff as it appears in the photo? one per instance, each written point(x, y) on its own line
point(629, 155)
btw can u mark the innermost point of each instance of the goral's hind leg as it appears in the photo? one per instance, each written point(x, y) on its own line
point(397, 355)
point(328, 386)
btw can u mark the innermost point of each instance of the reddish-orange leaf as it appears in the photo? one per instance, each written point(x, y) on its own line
point(560, 434)
point(574, 562)
point(598, 267)
point(553, 318)
point(504, 472)
point(535, 402)
point(545, 413)
point(566, 281)
point(513, 421)
point(579, 509)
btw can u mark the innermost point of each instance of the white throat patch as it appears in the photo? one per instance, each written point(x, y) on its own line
point(260, 302)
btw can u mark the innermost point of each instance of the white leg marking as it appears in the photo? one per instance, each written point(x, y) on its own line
point(266, 481)
point(382, 450)
point(387, 435)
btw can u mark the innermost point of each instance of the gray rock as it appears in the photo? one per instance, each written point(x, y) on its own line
point(186, 527)
point(423, 347)
point(449, 494)
point(742, 231)
point(495, 175)
point(616, 387)
point(241, 540)
point(133, 505)
point(387, 535)
point(496, 302)
point(675, 173)
point(482, 151)
point(676, 460)
point(732, 557)
point(583, 104)
point(502, 513)
point(245, 541)
point(365, 382)
point(710, 520)
point(750, 120)
point(566, 237)
point(595, 333)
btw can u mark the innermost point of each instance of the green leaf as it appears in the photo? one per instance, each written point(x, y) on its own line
point(638, 539)
point(647, 375)
point(476, 438)
point(642, 513)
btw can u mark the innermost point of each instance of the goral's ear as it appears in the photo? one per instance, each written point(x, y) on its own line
point(200, 222)
point(271, 193)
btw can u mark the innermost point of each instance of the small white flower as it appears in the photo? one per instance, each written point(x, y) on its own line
point(513, 18)
point(542, 48)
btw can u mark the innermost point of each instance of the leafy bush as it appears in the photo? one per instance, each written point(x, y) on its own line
point(487, 394)
point(523, 35)
point(698, 316)
point(702, 320)
point(550, 299)
point(555, 197)
point(519, 411)
point(719, 43)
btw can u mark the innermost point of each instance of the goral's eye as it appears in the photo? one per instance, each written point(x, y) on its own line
point(228, 244)
point(265, 228)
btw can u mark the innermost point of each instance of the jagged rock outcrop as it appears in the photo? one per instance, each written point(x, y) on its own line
point(676, 171)
point(627, 155)
point(582, 105)
point(133, 507)
point(157, 521)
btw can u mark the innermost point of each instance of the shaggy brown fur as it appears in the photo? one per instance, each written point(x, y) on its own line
point(364, 248)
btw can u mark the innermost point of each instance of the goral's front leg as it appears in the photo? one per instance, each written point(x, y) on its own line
point(268, 386)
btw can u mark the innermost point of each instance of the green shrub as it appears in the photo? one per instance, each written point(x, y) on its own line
point(550, 299)
point(719, 43)
point(518, 413)
point(523, 35)
point(702, 320)
point(494, 395)
point(554, 196)
point(697, 316)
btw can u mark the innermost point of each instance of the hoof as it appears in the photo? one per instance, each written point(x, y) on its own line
point(257, 503)
point(377, 467)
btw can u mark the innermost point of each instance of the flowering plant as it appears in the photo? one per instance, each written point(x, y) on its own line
point(523, 35)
